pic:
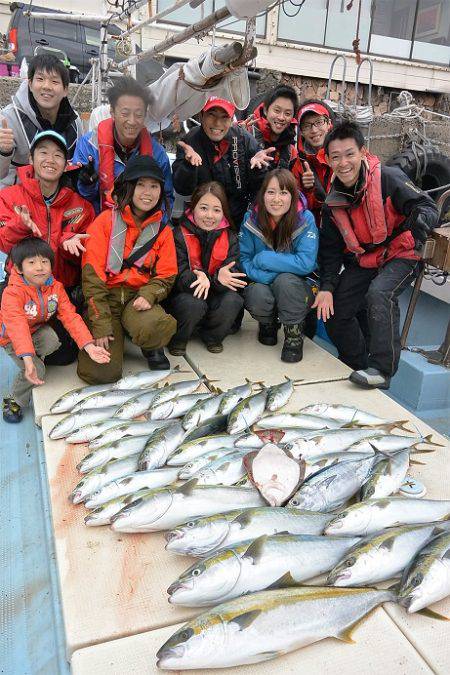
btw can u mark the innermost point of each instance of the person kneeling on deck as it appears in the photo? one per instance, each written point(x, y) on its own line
point(129, 267)
point(103, 153)
point(377, 214)
point(31, 298)
point(278, 246)
point(205, 293)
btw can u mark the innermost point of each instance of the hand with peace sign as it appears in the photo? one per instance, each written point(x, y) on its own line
point(307, 177)
point(26, 219)
point(6, 138)
point(74, 245)
point(88, 174)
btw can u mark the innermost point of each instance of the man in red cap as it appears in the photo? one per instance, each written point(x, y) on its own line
point(311, 169)
point(219, 151)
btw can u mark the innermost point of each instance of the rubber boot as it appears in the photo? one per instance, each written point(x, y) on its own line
point(268, 333)
point(156, 359)
point(292, 351)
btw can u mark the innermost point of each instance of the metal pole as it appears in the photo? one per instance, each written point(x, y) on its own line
point(199, 27)
point(67, 17)
point(411, 307)
point(156, 17)
point(103, 57)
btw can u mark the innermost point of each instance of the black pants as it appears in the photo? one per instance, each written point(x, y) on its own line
point(68, 351)
point(288, 298)
point(213, 316)
point(379, 289)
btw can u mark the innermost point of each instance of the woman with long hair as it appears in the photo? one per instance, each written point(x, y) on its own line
point(278, 249)
point(128, 268)
point(205, 295)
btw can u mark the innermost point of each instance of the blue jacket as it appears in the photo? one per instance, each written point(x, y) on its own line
point(262, 264)
point(87, 146)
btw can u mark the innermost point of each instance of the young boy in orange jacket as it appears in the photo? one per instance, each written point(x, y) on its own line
point(29, 301)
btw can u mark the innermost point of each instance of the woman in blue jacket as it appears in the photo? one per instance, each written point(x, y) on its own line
point(278, 247)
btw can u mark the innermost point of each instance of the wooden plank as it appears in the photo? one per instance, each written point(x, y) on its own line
point(111, 585)
point(379, 647)
point(243, 356)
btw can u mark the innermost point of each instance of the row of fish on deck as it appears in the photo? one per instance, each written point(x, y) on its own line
point(213, 469)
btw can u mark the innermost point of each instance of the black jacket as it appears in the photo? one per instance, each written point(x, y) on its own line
point(233, 170)
point(207, 240)
point(404, 199)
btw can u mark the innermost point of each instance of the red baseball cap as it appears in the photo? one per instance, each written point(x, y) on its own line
point(316, 108)
point(215, 102)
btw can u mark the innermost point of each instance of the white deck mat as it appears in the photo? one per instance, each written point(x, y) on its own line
point(379, 648)
point(60, 379)
point(111, 585)
point(243, 356)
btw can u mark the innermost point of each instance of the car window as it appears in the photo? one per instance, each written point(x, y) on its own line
point(38, 26)
point(92, 36)
point(61, 29)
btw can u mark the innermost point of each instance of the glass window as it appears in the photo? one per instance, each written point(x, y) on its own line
point(61, 29)
point(341, 25)
point(307, 26)
point(392, 27)
point(432, 34)
point(185, 15)
point(92, 36)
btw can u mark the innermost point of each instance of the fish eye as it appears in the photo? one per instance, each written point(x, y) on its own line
point(294, 502)
point(350, 562)
point(417, 580)
point(196, 572)
point(190, 523)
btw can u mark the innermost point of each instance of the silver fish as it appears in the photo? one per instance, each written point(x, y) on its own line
point(343, 413)
point(279, 394)
point(204, 535)
point(231, 398)
point(386, 478)
point(137, 406)
point(74, 421)
point(191, 450)
point(381, 556)
point(127, 430)
point(176, 407)
point(160, 446)
point(102, 514)
point(297, 420)
point(315, 463)
point(189, 470)
point(374, 515)
point(226, 470)
point(247, 412)
point(266, 562)
point(213, 425)
point(144, 379)
point(202, 412)
point(132, 482)
point(259, 437)
point(390, 443)
point(168, 507)
point(98, 478)
point(181, 388)
point(90, 431)
point(427, 579)
point(67, 401)
point(117, 450)
point(332, 487)
point(334, 440)
point(263, 625)
point(105, 399)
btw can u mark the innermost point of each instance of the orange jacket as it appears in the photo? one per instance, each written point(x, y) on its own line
point(153, 280)
point(25, 308)
point(67, 215)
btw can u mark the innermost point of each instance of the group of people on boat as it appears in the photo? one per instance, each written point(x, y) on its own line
point(286, 215)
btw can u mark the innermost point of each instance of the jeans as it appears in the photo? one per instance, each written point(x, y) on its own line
point(379, 289)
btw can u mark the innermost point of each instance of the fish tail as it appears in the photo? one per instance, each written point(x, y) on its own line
point(429, 439)
point(400, 424)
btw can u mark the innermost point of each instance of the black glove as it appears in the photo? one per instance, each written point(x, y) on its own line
point(88, 174)
point(420, 230)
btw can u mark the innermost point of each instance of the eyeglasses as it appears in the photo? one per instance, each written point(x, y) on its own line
point(318, 124)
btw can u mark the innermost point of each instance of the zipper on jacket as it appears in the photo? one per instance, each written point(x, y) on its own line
point(122, 296)
point(42, 303)
point(49, 223)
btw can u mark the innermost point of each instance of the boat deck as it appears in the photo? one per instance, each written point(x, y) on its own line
point(98, 599)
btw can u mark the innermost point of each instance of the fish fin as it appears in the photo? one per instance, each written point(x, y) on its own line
point(383, 503)
point(242, 519)
point(327, 482)
point(245, 620)
point(266, 656)
point(431, 614)
point(414, 461)
point(255, 549)
point(285, 581)
point(351, 425)
point(446, 554)
point(429, 439)
point(401, 424)
point(388, 543)
point(422, 451)
point(394, 587)
point(187, 487)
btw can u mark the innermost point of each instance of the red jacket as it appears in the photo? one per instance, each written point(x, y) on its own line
point(285, 150)
point(25, 308)
point(315, 196)
point(67, 215)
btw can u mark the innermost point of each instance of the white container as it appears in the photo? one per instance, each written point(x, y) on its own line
point(245, 9)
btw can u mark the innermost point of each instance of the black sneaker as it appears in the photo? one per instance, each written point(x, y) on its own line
point(292, 351)
point(214, 347)
point(268, 333)
point(12, 412)
point(156, 359)
point(371, 378)
point(177, 348)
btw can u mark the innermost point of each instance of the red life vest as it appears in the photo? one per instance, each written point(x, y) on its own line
point(372, 222)
point(107, 155)
point(219, 251)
